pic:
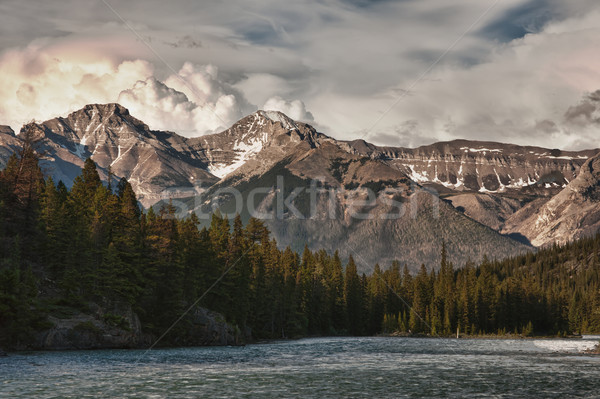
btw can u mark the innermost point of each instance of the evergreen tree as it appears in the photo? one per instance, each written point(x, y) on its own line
point(352, 298)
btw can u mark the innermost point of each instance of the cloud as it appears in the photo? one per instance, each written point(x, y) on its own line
point(294, 109)
point(517, 76)
point(524, 93)
point(186, 41)
point(191, 102)
point(408, 133)
point(39, 84)
point(586, 112)
point(159, 106)
point(522, 19)
point(219, 105)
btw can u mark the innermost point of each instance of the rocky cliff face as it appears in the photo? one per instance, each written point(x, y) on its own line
point(462, 165)
point(571, 214)
point(119, 328)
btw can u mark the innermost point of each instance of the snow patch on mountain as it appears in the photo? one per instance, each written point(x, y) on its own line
point(244, 152)
point(484, 150)
point(416, 176)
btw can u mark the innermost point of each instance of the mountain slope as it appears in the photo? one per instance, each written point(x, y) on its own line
point(319, 197)
point(9, 143)
point(487, 209)
point(571, 214)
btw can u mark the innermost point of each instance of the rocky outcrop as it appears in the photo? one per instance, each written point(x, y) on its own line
point(101, 329)
point(121, 328)
point(9, 143)
point(271, 134)
point(210, 328)
point(6, 130)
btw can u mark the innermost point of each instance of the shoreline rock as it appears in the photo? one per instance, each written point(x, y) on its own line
point(118, 327)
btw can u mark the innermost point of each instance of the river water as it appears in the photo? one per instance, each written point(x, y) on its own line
point(314, 368)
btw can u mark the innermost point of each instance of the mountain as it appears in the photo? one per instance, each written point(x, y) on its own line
point(477, 197)
point(318, 196)
point(152, 161)
point(158, 164)
point(488, 181)
point(573, 213)
point(270, 133)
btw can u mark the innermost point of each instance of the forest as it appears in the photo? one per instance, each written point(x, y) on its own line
point(93, 243)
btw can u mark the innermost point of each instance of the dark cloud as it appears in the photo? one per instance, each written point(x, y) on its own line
point(518, 21)
point(261, 33)
point(186, 41)
point(547, 126)
point(407, 134)
point(367, 4)
point(586, 112)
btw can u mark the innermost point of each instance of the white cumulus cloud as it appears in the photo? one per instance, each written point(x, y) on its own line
point(159, 106)
point(39, 83)
point(295, 109)
point(36, 84)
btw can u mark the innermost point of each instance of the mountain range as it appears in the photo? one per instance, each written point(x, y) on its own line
point(480, 198)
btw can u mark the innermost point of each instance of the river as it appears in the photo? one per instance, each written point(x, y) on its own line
point(314, 368)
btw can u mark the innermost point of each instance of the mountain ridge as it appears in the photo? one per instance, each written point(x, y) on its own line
point(485, 182)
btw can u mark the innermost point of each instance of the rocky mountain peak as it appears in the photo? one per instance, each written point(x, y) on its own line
point(261, 124)
point(277, 117)
point(105, 109)
point(270, 133)
point(103, 118)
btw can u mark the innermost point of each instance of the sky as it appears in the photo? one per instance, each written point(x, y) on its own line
point(399, 73)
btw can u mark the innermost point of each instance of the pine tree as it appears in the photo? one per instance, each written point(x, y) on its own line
point(353, 300)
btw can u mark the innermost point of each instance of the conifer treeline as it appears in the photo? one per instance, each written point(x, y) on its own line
point(94, 244)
